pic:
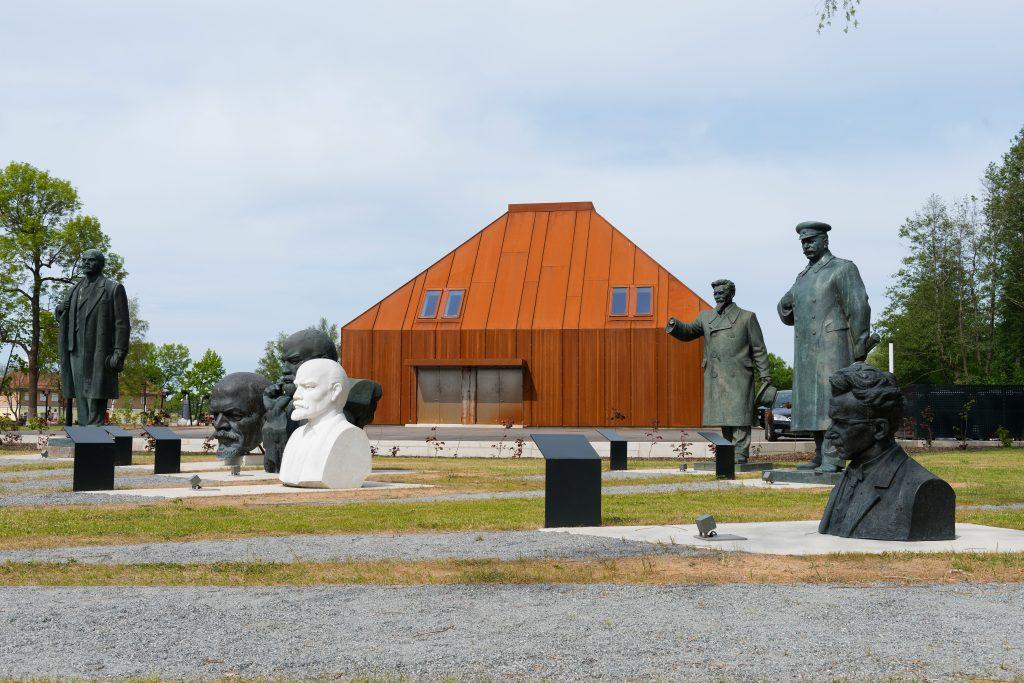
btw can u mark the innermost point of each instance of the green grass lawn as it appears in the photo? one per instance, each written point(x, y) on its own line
point(980, 477)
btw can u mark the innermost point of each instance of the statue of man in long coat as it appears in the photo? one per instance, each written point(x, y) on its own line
point(828, 307)
point(93, 341)
point(733, 349)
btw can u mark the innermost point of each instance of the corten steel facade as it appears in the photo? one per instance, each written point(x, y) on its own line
point(549, 316)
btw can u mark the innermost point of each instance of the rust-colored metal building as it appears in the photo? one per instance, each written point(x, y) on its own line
point(549, 316)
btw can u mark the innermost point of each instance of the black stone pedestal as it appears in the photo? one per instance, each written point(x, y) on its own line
point(167, 454)
point(94, 458)
point(122, 445)
point(725, 455)
point(617, 447)
point(572, 481)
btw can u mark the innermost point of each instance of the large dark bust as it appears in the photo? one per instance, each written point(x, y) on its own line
point(237, 406)
point(296, 349)
point(883, 494)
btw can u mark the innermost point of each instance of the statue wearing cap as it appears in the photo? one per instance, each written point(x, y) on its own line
point(828, 307)
point(733, 350)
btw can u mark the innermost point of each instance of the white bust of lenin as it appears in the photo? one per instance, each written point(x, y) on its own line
point(328, 452)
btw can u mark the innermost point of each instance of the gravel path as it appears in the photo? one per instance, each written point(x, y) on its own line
point(121, 481)
point(503, 545)
point(68, 498)
point(561, 633)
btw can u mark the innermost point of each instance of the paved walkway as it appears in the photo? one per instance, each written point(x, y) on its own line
point(487, 632)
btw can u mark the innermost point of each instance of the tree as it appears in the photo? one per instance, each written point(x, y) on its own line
point(1004, 211)
point(269, 364)
point(172, 362)
point(42, 237)
point(941, 314)
point(200, 378)
point(831, 9)
point(141, 375)
point(782, 374)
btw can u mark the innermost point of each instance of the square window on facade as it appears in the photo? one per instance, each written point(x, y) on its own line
point(453, 306)
point(620, 300)
point(430, 301)
point(644, 300)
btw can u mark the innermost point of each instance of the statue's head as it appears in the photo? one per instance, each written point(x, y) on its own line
point(725, 291)
point(321, 388)
point(237, 406)
point(813, 238)
point(300, 347)
point(93, 261)
point(866, 408)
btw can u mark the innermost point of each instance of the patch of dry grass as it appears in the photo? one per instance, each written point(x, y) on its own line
point(900, 568)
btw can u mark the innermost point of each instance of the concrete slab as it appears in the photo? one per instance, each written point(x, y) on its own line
point(802, 538)
point(244, 490)
point(252, 475)
point(30, 457)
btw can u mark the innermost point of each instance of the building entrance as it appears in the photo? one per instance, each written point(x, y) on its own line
point(469, 395)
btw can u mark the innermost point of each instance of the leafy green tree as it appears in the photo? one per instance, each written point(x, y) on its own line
point(141, 375)
point(269, 365)
point(1004, 211)
point(42, 237)
point(833, 9)
point(200, 378)
point(941, 314)
point(782, 374)
point(172, 362)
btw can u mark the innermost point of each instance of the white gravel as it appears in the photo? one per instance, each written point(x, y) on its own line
point(560, 633)
point(501, 545)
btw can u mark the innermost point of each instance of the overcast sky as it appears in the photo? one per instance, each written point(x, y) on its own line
point(260, 165)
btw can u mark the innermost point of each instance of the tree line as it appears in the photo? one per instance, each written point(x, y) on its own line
point(43, 234)
point(956, 306)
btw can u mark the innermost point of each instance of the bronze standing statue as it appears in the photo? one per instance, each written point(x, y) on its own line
point(828, 306)
point(733, 350)
point(93, 341)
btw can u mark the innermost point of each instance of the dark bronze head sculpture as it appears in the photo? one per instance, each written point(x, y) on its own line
point(298, 348)
point(883, 494)
point(724, 291)
point(237, 407)
point(302, 346)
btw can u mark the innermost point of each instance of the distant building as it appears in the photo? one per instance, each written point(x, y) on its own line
point(549, 316)
point(14, 400)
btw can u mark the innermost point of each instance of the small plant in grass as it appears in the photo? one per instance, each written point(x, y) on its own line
point(373, 450)
point(151, 442)
point(9, 439)
point(682, 448)
point(927, 417)
point(394, 451)
point(209, 445)
point(654, 436)
point(616, 417)
point(42, 442)
point(436, 445)
point(500, 446)
point(1005, 437)
point(961, 430)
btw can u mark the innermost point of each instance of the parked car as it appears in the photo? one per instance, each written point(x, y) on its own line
point(777, 421)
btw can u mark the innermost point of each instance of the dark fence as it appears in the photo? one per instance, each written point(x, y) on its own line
point(951, 410)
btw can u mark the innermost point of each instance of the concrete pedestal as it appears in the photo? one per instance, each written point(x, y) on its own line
point(801, 477)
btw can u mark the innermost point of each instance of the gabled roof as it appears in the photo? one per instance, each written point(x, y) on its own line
point(538, 266)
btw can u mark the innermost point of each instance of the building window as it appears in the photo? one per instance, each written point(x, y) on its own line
point(430, 301)
point(620, 300)
point(453, 305)
point(644, 300)
point(54, 397)
point(632, 301)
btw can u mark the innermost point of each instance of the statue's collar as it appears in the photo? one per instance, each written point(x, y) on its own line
point(882, 467)
point(825, 259)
